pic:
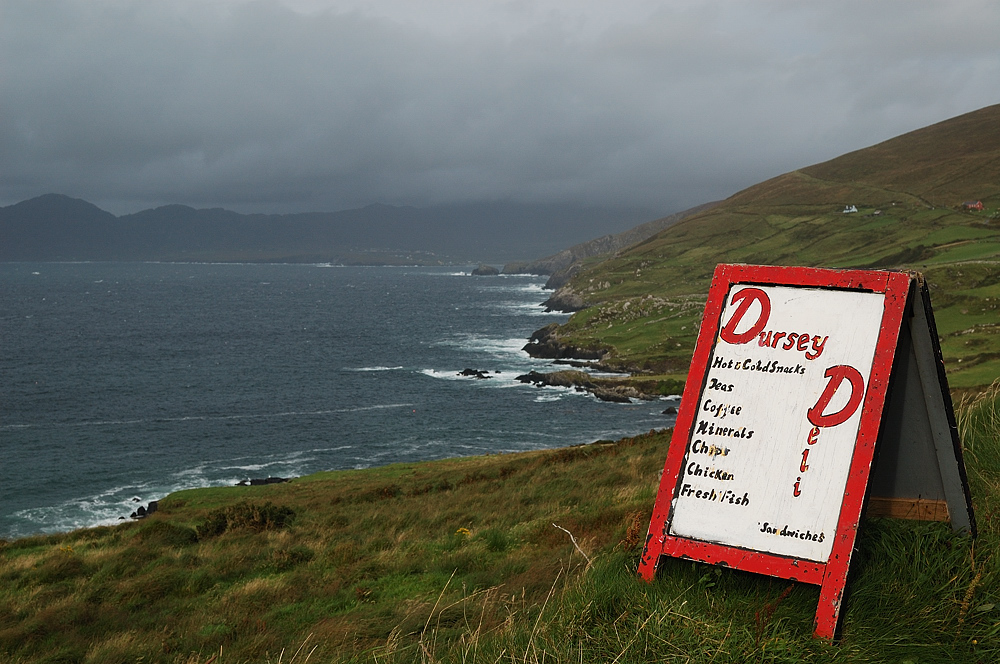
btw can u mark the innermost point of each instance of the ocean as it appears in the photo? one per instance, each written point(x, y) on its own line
point(123, 382)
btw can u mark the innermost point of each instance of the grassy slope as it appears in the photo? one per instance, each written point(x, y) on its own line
point(359, 566)
point(461, 561)
point(647, 300)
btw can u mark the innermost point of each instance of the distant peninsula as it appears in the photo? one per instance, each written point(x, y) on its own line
point(54, 227)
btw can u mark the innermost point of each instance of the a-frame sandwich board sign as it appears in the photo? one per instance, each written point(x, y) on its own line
point(801, 379)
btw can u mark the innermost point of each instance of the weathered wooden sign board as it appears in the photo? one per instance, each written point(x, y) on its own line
point(813, 395)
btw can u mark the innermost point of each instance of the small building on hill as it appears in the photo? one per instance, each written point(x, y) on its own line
point(850, 208)
point(973, 205)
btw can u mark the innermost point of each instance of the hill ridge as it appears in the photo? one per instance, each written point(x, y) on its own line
point(59, 227)
point(909, 191)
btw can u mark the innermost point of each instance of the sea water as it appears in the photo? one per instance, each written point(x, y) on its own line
point(123, 382)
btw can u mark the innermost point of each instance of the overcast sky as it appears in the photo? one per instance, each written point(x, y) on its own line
point(295, 105)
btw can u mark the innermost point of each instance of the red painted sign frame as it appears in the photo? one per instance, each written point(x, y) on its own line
point(830, 575)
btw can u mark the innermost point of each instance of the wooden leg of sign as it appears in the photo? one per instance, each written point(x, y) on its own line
point(653, 549)
point(831, 595)
point(651, 553)
point(647, 566)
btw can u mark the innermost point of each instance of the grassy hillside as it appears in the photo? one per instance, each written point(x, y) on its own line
point(646, 301)
point(524, 558)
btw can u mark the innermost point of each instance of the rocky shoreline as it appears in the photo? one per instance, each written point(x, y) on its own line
point(144, 511)
point(616, 390)
point(546, 344)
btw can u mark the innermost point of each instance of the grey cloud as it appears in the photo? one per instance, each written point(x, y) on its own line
point(273, 107)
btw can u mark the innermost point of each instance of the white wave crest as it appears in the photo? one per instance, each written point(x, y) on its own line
point(443, 375)
point(530, 309)
point(503, 348)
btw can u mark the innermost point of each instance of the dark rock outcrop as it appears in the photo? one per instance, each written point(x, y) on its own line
point(559, 279)
point(143, 512)
point(545, 344)
point(556, 379)
point(565, 300)
point(592, 364)
point(613, 396)
point(605, 389)
point(475, 373)
point(485, 271)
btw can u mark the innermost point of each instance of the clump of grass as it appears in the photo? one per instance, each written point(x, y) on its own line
point(248, 516)
point(164, 533)
point(496, 540)
point(979, 422)
point(669, 386)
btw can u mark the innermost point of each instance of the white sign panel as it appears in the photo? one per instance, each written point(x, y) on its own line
point(777, 419)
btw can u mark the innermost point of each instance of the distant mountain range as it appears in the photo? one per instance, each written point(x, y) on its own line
point(57, 227)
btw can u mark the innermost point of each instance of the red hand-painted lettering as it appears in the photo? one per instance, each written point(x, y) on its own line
point(837, 374)
point(745, 298)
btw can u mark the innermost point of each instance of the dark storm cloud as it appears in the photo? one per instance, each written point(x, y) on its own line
point(288, 106)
